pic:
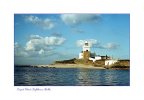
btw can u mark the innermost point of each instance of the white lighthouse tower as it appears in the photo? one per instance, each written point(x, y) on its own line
point(86, 46)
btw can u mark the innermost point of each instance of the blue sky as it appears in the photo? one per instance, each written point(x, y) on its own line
point(45, 38)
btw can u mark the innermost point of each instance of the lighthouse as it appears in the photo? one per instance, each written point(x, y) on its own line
point(86, 46)
point(85, 54)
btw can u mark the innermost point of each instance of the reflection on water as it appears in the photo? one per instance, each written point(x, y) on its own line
point(83, 77)
point(26, 76)
point(102, 77)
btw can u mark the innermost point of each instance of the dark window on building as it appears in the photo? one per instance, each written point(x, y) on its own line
point(86, 44)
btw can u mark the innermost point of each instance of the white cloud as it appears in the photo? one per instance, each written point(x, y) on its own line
point(41, 51)
point(33, 19)
point(94, 43)
point(37, 42)
point(19, 51)
point(38, 46)
point(35, 37)
point(44, 23)
point(80, 43)
point(34, 44)
point(73, 19)
point(111, 46)
point(91, 42)
point(54, 40)
point(47, 24)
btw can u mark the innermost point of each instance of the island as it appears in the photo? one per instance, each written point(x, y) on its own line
point(77, 63)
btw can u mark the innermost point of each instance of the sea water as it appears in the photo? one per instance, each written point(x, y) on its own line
point(33, 76)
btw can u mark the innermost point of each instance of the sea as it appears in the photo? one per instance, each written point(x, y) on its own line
point(33, 76)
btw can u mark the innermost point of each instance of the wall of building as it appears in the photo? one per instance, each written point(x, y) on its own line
point(86, 55)
point(80, 55)
point(94, 59)
point(97, 58)
point(110, 62)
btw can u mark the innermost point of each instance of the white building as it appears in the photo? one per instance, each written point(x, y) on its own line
point(96, 58)
point(81, 55)
point(110, 62)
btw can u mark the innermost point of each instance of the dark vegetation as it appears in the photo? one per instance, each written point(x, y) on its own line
point(70, 61)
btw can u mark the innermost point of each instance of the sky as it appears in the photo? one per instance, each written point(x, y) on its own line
point(45, 38)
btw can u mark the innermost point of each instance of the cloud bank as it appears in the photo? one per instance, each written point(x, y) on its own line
point(38, 45)
point(96, 44)
point(110, 46)
point(43, 23)
point(75, 19)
